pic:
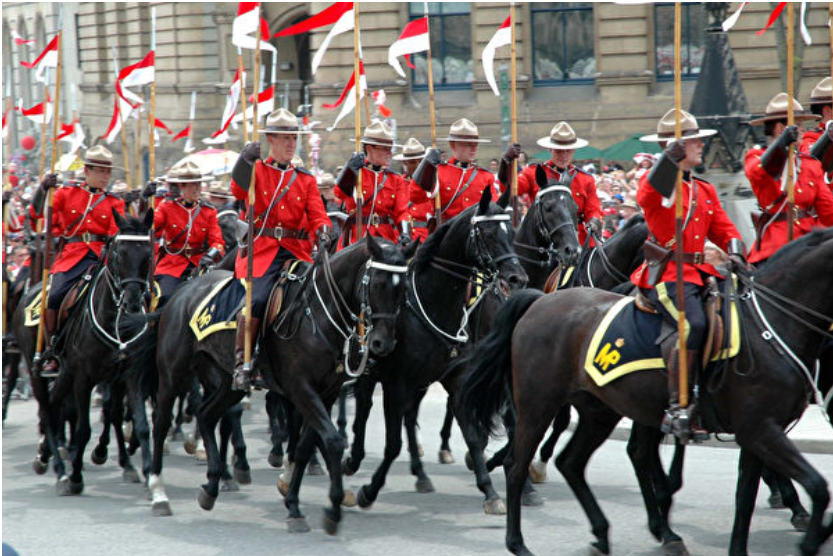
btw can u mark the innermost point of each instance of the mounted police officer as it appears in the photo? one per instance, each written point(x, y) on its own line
point(421, 214)
point(562, 144)
point(818, 142)
point(704, 218)
point(191, 236)
point(82, 218)
point(385, 193)
point(460, 181)
point(765, 167)
point(288, 211)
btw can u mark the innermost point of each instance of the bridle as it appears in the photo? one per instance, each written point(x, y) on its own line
point(545, 254)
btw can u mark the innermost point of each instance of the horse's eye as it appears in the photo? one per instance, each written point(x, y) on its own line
point(548, 208)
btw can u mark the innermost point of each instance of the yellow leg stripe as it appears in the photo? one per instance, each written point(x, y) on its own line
point(662, 293)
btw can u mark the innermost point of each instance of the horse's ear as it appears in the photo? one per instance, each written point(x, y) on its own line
point(148, 221)
point(485, 201)
point(410, 249)
point(120, 222)
point(503, 200)
point(541, 176)
point(374, 248)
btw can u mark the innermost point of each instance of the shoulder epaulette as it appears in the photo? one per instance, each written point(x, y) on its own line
point(302, 170)
point(207, 204)
point(389, 171)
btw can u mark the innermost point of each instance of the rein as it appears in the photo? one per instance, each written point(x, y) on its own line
point(545, 254)
point(607, 266)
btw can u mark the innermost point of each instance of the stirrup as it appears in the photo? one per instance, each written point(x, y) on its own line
point(677, 421)
point(40, 369)
point(242, 379)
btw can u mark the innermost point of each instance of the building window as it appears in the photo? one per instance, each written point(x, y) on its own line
point(562, 42)
point(450, 24)
point(693, 43)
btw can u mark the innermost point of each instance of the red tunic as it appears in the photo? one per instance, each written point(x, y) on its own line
point(810, 193)
point(707, 221)
point(300, 208)
point(583, 187)
point(453, 178)
point(68, 205)
point(171, 220)
point(385, 195)
point(809, 139)
point(421, 213)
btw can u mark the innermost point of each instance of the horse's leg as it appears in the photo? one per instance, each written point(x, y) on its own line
point(590, 433)
point(141, 427)
point(423, 482)
point(538, 469)
point(47, 425)
point(213, 407)
point(99, 454)
point(341, 420)
point(277, 430)
point(116, 403)
point(363, 394)
point(229, 484)
point(749, 475)
point(775, 500)
point(240, 465)
point(675, 472)
point(800, 517)
point(445, 433)
point(10, 376)
point(176, 434)
point(395, 403)
point(51, 404)
point(83, 390)
point(165, 398)
point(296, 521)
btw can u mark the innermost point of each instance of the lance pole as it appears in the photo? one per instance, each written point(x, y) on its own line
point(152, 113)
point(357, 122)
point(438, 206)
point(241, 69)
point(790, 118)
point(250, 218)
point(682, 361)
point(123, 131)
point(514, 71)
point(42, 167)
point(49, 199)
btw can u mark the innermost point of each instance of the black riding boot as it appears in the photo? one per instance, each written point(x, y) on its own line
point(49, 366)
point(242, 379)
point(678, 419)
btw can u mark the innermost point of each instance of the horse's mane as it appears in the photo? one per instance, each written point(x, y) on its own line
point(426, 252)
point(132, 225)
point(631, 223)
point(785, 258)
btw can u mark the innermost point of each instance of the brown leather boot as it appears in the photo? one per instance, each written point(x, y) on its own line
point(242, 379)
point(49, 366)
point(677, 420)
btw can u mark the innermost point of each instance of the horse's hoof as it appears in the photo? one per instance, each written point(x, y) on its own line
point(532, 498)
point(349, 499)
point(363, 499)
point(62, 486)
point(76, 488)
point(494, 506)
point(229, 486)
point(424, 486)
point(275, 460)
point(776, 502)
point(445, 457)
point(801, 522)
point(347, 467)
point(297, 525)
point(597, 550)
point(130, 475)
point(538, 471)
point(420, 451)
point(39, 467)
point(330, 525)
point(315, 470)
point(161, 508)
point(200, 455)
point(205, 500)
point(283, 487)
point(63, 453)
point(99, 455)
point(242, 476)
point(675, 548)
point(469, 461)
point(190, 445)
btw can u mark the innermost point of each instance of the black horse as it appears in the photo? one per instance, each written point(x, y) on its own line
point(442, 277)
point(354, 298)
point(92, 346)
point(756, 396)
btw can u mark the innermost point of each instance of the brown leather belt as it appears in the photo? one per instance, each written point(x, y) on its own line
point(376, 219)
point(799, 214)
point(191, 251)
point(420, 224)
point(87, 238)
point(691, 258)
point(280, 233)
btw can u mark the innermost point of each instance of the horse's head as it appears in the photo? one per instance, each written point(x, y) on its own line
point(555, 216)
point(489, 244)
point(128, 259)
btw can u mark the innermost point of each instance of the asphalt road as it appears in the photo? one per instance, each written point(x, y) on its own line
point(112, 517)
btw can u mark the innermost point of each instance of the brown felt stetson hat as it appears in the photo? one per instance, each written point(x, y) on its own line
point(380, 134)
point(186, 172)
point(100, 156)
point(217, 188)
point(283, 121)
point(413, 150)
point(823, 92)
point(777, 110)
point(688, 128)
point(465, 131)
point(562, 137)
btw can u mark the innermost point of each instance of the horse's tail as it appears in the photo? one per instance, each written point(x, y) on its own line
point(141, 354)
point(488, 387)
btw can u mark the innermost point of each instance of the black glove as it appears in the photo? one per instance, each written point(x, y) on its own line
point(356, 162)
point(210, 258)
point(775, 157)
point(130, 196)
point(822, 150)
point(595, 227)
point(675, 151)
point(504, 171)
point(426, 172)
point(349, 175)
point(324, 239)
point(50, 181)
point(405, 234)
point(251, 152)
point(737, 256)
point(149, 190)
point(513, 151)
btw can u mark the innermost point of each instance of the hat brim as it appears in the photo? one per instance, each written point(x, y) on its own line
point(403, 156)
point(101, 165)
point(202, 179)
point(464, 140)
point(380, 143)
point(548, 143)
point(779, 117)
point(279, 131)
point(655, 138)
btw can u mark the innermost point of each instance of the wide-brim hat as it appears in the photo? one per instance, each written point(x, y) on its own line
point(777, 110)
point(464, 130)
point(688, 128)
point(562, 137)
point(186, 172)
point(823, 92)
point(380, 134)
point(218, 189)
point(413, 150)
point(99, 156)
point(326, 180)
point(283, 121)
point(119, 188)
